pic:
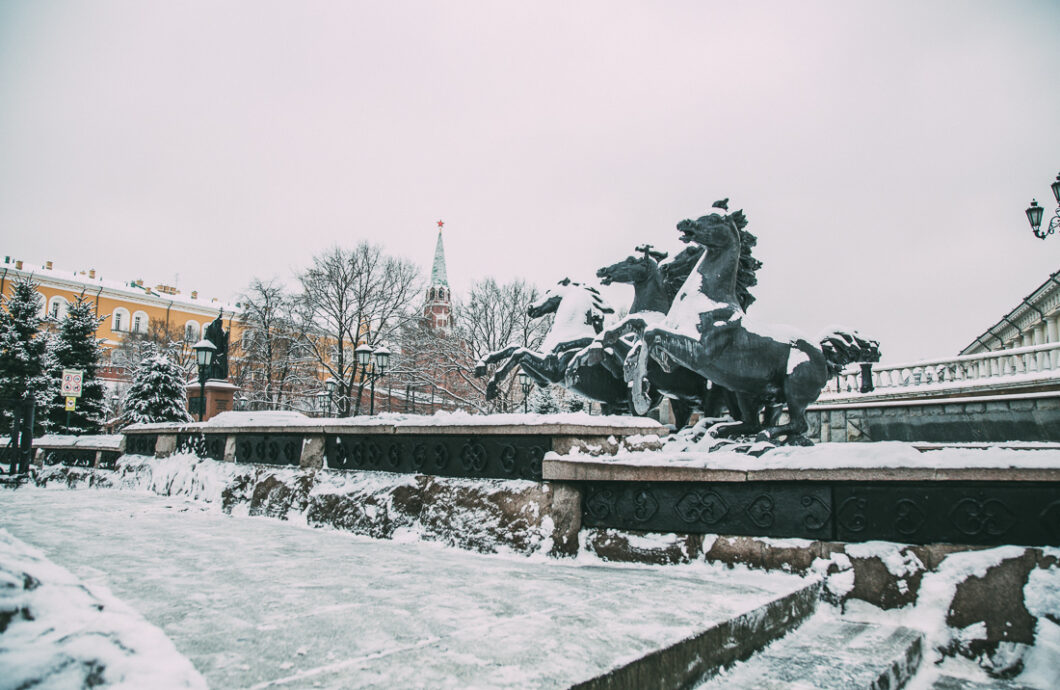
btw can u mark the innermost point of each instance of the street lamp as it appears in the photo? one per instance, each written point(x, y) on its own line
point(526, 383)
point(204, 350)
point(365, 354)
point(1035, 212)
point(330, 385)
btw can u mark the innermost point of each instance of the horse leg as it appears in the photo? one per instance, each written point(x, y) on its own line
point(801, 387)
point(493, 357)
point(682, 412)
point(750, 406)
point(535, 364)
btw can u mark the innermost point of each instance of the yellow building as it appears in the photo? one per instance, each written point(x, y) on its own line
point(129, 306)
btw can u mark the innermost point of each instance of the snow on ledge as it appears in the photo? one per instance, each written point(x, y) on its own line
point(64, 634)
point(540, 423)
point(834, 456)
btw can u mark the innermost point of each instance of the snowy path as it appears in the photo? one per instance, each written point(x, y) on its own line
point(255, 602)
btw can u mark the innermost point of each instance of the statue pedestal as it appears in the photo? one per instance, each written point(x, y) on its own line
point(219, 398)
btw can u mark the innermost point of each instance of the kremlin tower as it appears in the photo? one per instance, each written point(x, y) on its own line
point(438, 307)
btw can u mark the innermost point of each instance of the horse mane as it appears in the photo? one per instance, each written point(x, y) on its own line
point(675, 272)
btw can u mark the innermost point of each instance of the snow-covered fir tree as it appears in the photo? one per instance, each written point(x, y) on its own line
point(543, 400)
point(22, 350)
point(76, 347)
point(156, 393)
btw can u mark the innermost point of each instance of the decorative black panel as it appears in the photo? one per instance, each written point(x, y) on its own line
point(71, 457)
point(952, 512)
point(204, 445)
point(975, 513)
point(483, 457)
point(758, 509)
point(140, 444)
point(269, 449)
point(108, 458)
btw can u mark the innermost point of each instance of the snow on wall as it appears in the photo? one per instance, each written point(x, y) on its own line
point(60, 633)
point(482, 515)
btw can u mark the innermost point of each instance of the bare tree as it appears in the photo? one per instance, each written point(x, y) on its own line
point(136, 346)
point(493, 317)
point(274, 367)
point(350, 297)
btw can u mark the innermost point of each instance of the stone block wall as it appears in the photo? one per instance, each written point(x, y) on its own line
point(951, 420)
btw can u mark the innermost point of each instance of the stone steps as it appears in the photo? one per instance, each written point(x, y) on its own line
point(682, 664)
point(830, 653)
point(954, 683)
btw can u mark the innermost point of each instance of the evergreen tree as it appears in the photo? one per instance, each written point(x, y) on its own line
point(157, 393)
point(22, 350)
point(542, 400)
point(76, 347)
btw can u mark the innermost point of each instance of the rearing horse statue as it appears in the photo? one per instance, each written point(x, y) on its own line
point(580, 313)
point(706, 330)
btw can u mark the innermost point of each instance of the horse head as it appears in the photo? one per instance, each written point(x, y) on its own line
point(548, 304)
point(633, 269)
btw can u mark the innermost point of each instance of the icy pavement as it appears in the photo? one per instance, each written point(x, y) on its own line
point(256, 602)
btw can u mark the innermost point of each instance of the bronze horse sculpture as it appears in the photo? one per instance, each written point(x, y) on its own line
point(707, 330)
point(580, 314)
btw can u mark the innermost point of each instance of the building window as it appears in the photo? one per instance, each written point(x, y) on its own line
point(191, 331)
point(139, 322)
point(120, 320)
point(57, 307)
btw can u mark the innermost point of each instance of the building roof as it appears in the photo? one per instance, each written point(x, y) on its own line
point(1031, 310)
point(133, 290)
point(438, 274)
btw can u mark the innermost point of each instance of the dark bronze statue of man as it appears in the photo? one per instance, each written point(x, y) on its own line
point(217, 335)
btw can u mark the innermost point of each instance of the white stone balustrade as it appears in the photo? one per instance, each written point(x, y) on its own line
point(1018, 366)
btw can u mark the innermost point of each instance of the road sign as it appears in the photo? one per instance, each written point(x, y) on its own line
point(71, 403)
point(72, 382)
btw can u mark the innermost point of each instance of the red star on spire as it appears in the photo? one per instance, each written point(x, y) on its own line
point(440, 224)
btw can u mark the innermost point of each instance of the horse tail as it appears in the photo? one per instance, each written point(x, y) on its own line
point(843, 346)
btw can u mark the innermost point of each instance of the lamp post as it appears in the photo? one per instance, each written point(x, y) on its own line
point(1035, 212)
point(204, 350)
point(321, 400)
point(526, 383)
point(365, 353)
point(330, 385)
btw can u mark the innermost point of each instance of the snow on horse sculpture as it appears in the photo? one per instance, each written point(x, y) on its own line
point(651, 301)
point(580, 313)
point(706, 330)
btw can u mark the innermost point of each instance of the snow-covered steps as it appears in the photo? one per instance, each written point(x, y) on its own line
point(722, 643)
point(953, 683)
point(829, 653)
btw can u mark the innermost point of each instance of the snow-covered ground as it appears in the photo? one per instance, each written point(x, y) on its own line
point(256, 602)
point(58, 633)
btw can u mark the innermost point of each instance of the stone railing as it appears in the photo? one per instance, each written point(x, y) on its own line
point(78, 451)
point(1020, 368)
point(487, 446)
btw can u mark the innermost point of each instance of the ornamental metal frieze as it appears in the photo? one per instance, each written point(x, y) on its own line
point(482, 457)
point(269, 449)
point(760, 509)
point(906, 512)
point(70, 457)
point(140, 444)
point(949, 512)
point(210, 446)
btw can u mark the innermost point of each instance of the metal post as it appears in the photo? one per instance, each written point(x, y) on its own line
point(371, 403)
point(25, 454)
point(202, 391)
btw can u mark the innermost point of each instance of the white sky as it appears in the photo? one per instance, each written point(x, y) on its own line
point(883, 152)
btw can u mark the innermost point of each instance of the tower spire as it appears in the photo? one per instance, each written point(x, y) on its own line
point(438, 307)
point(438, 273)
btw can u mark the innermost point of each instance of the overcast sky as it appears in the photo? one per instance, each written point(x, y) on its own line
point(883, 152)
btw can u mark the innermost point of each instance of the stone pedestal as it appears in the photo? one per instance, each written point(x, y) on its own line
point(219, 398)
